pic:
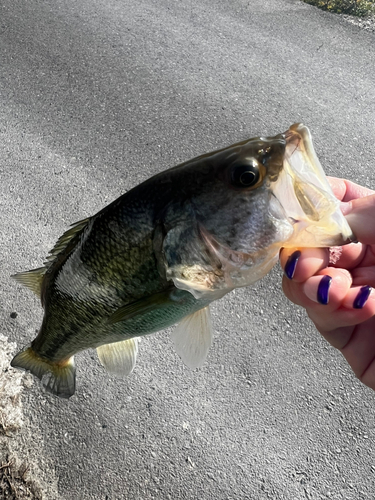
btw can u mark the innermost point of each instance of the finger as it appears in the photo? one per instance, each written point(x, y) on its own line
point(357, 346)
point(324, 292)
point(350, 256)
point(338, 187)
point(329, 288)
point(368, 375)
point(360, 352)
point(294, 292)
point(346, 191)
point(362, 219)
point(349, 314)
point(364, 276)
point(339, 337)
point(300, 264)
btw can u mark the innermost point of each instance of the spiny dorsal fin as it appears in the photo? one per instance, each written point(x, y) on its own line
point(32, 279)
point(65, 239)
point(193, 338)
point(119, 357)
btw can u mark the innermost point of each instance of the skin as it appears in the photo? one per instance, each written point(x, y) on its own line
point(348, 329)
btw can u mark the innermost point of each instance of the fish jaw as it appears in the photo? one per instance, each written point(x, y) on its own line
point(303, 193)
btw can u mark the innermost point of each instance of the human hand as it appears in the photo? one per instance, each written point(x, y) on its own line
point(336, 286)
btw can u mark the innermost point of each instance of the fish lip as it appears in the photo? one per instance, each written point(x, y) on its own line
point(343, 239)
point(298, 135)
point(296, 131)
point(302, 189)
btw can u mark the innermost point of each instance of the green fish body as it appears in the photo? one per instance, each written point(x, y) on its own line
point(162, 252)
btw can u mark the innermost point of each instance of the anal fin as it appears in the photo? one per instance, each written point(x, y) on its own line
point(193, 338)
point(57, 378)
point(119, 357)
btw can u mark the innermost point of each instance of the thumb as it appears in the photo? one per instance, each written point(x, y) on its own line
point(361, 218)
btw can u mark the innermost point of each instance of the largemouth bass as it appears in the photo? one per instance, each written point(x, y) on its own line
point(162, 252)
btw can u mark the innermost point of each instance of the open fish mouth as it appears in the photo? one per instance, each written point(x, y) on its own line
point(305, 196)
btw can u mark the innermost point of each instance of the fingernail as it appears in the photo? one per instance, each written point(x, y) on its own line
point(291, 264)
point(323, 290)
point(361, 299)
point(346, 207)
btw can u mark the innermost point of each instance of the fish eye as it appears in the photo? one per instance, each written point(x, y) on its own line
point(245, 175)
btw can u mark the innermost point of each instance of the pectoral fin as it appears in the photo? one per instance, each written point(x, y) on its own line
point(141, 306)
point(193, 338)
point(119, 357)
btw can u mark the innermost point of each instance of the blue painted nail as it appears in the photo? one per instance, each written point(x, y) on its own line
point(361, 299)
point(291, 264)
point(323, 290)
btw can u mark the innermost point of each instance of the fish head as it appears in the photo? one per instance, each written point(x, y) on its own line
point(250, 200)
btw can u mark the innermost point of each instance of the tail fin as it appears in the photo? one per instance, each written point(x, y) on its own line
point(57, 378)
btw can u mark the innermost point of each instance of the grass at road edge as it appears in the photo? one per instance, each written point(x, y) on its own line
point(360, 8)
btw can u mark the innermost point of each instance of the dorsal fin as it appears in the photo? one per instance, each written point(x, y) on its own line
point(32, 279)
point(65, 239)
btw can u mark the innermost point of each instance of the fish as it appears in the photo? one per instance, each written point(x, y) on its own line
point(162, 252)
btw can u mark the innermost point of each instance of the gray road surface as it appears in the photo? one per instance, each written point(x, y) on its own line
point(96, 96)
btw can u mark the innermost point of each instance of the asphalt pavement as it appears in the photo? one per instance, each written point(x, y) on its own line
point(95, 97)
